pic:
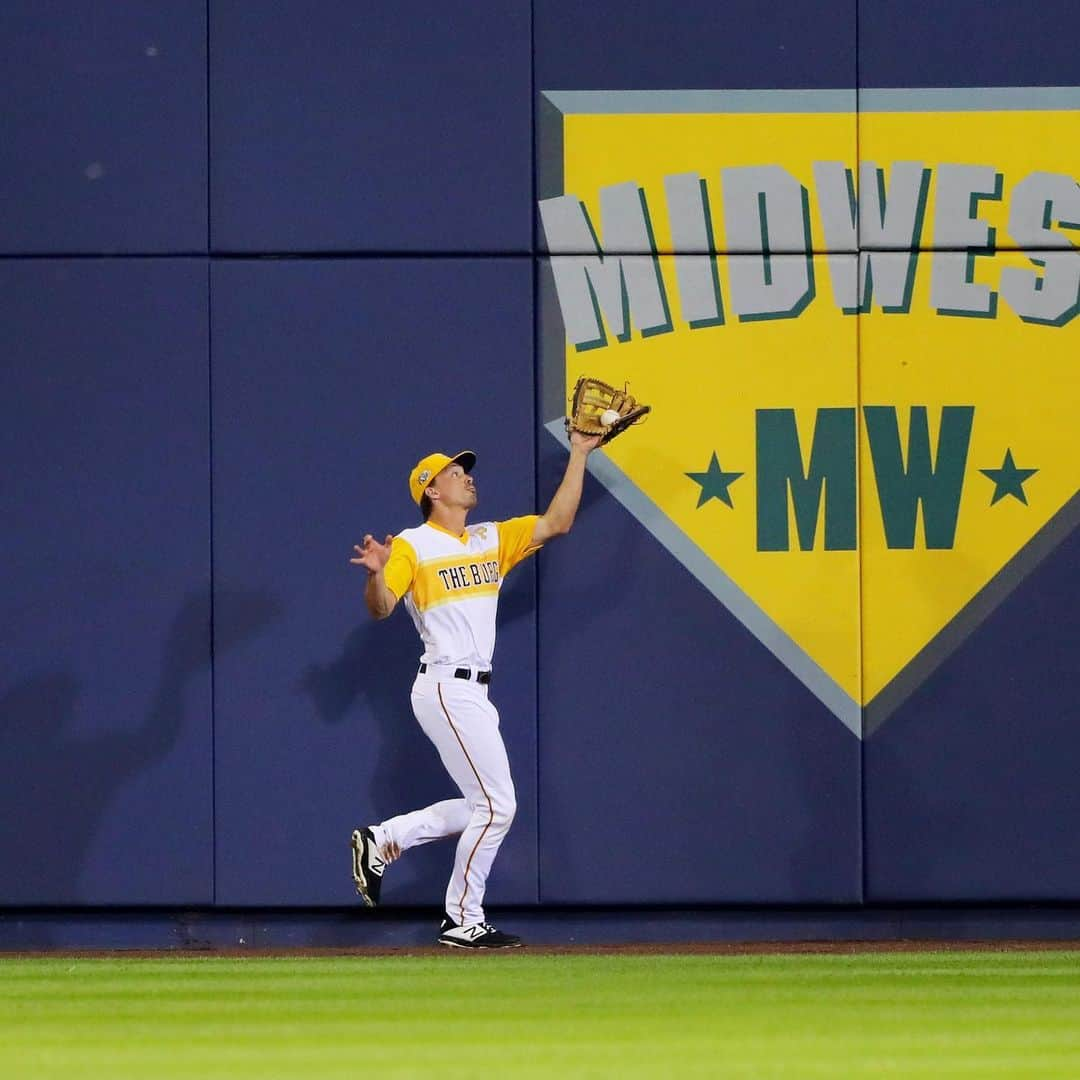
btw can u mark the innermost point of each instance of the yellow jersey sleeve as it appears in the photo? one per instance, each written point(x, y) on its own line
point(400, 570)
point(515, 541)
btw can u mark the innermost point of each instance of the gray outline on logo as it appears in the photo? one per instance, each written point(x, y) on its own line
point(870, 99)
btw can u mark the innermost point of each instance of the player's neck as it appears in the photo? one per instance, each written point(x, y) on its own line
point(450, 519)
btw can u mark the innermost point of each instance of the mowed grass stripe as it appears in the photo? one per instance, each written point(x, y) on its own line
point(525, 1015)
point(299, 969)
point(187, 965)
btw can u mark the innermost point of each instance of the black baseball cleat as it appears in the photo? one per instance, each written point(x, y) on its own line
point(477, 936)
point(367, 866)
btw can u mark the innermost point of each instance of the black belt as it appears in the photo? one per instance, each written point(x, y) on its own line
point(482, 677)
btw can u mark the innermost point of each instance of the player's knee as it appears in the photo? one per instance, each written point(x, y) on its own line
point(503, 810)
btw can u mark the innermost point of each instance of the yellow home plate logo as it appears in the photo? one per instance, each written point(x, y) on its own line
point(859, 452)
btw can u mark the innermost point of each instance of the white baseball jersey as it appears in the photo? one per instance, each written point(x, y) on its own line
point(451, 584)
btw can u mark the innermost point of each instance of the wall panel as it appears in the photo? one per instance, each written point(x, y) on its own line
point(699, 693)
point(331, 379)
point(105, 710)
point(104, 147)
point(391, 128)
point(652, 46)
point(966, 43)
point(969, 747)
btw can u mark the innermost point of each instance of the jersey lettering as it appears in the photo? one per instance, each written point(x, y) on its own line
point(465, 576)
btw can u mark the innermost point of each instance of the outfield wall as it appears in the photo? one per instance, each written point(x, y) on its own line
point(255, 262)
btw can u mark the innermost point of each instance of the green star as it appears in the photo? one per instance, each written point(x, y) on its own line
point(714, 483)
point(1009, 480)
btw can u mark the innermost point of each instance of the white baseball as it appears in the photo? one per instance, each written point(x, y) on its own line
point(608, 417)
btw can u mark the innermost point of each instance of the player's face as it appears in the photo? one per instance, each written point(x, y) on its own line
point(456, 488)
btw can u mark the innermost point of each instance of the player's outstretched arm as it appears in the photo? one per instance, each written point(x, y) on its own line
point(559, 516)
point(374, 556)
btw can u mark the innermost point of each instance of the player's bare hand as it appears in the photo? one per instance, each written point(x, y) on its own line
point(372, 555)
point(588, 443)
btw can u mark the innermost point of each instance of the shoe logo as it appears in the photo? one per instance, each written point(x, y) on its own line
point(375, 864)
point(467, 933)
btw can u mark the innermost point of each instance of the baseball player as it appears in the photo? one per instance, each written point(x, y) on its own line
point(449, 575)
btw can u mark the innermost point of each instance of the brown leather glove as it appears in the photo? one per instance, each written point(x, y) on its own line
point(592, 399)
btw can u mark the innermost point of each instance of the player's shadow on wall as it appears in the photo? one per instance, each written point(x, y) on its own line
point(372, 675)
point(58, 784)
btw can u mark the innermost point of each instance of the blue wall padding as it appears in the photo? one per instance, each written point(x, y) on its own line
point(968, 43)
point(105, 720)
point(679, 761)
point(655, 45)
point(971, 789)
point(104, 136)
point(371, 127)
point(192, 444)
point(331, 379)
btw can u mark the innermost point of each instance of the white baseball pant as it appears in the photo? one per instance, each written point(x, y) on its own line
point(458, 718)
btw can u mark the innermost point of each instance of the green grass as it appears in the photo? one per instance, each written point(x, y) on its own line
point(900, 1014)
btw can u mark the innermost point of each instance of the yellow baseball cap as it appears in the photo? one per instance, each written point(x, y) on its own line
point(426, 469)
